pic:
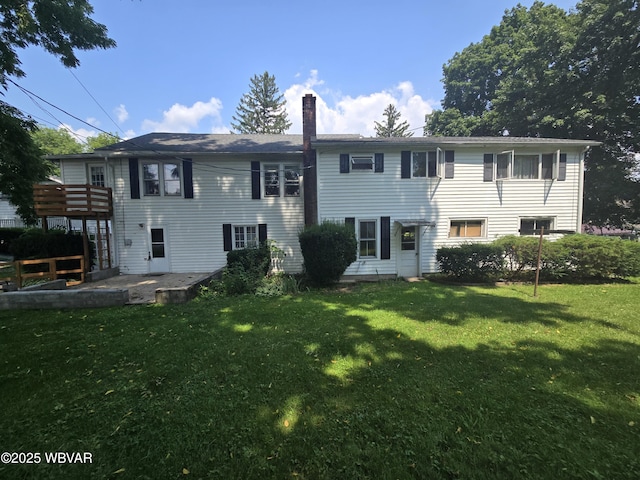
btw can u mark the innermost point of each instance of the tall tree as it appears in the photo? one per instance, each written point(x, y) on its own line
point(543, 72)
point(391, 126)
point(61, 27)
point(21, 161)
point(55, 141)
point(262, 110)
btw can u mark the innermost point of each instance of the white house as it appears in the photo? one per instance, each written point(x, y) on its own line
point(182, 201)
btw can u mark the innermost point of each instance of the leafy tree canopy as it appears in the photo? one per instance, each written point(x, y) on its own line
point(546, 72)
point(21, 162)
point(392, 126)
point(61, 27)
point(52, 141)
point(262, 110)
point(102, 139)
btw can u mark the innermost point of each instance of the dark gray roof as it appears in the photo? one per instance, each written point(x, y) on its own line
point(189, 144)
point(195, 143)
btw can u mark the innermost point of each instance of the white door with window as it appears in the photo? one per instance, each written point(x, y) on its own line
point(409, 252)
point(158, 250)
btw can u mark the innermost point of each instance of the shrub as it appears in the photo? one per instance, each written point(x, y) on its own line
point(249, 259)
point(471, 262)
point(593, 257)
point(574, 257)
point(36, 243)
point(245, 269)
point(328, 249)
point(278, 284)
point(521, 258)
point(7, 236)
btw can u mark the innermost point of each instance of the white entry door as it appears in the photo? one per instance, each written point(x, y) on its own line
point(158, 250)
point(409, 257)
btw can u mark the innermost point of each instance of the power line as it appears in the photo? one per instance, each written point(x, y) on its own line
point(96, 101)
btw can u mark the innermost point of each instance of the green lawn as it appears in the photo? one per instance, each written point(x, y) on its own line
point(387, 381)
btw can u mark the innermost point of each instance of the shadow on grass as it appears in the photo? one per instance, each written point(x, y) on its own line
point(331, 386)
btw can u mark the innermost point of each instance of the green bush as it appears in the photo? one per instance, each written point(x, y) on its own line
point(594, 257)
point(328, 249)
point(36, 243)
point(245, 269)
point(471, 262)
point(521, 258)
point(7, 236)
point(278, 284)
point(572, 258)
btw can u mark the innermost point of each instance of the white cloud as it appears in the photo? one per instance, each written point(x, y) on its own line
point(80, 134)
point(356, 115)
point(183, 119)
point(121, 112)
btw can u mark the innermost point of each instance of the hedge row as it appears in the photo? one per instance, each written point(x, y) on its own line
point(571, 258)
point(36, 243)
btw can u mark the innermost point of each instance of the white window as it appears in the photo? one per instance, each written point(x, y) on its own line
point(96, 175)
point(427, 164)
point(466, 228)
point(367, 238)
point(272, 180)
point(362, 162)
point(273, 185)
point(291, 181)
point(519, 166)
point(161, 179)
point(419, 164)
point(245, 236)
point(532, 226)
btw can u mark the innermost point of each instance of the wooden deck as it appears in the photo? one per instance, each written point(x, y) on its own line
point(73, 201)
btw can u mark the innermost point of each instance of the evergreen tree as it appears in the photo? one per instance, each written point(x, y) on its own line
point(262, 110)
point(391, 126)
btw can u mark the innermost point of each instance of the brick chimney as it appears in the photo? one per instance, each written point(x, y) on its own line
point(309, 160)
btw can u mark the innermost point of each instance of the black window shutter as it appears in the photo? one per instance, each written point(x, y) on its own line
point(562, 170)
point(449, 157)
point(405, 164)
point(226, 236)
point(262, 232)
point(255, 180)
point(344, 163)
point(385, 238)
point(134, 178)
point(432, 164)
point(187, 171)
point(488, 167)
point(379, 162)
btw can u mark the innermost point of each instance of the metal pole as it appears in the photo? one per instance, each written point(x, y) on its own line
point(535, 288)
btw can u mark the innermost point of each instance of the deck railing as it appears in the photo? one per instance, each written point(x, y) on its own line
point(50, 269)
point(72, 201)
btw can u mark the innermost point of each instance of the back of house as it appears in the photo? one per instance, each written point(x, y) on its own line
point(182, 201)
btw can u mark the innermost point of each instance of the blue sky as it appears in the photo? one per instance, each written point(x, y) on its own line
point(182, 65)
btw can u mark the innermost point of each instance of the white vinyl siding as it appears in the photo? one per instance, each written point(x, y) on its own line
point(500, 206)
point(222, 195)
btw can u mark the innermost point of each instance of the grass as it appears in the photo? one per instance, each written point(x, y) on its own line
point(392, 380)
